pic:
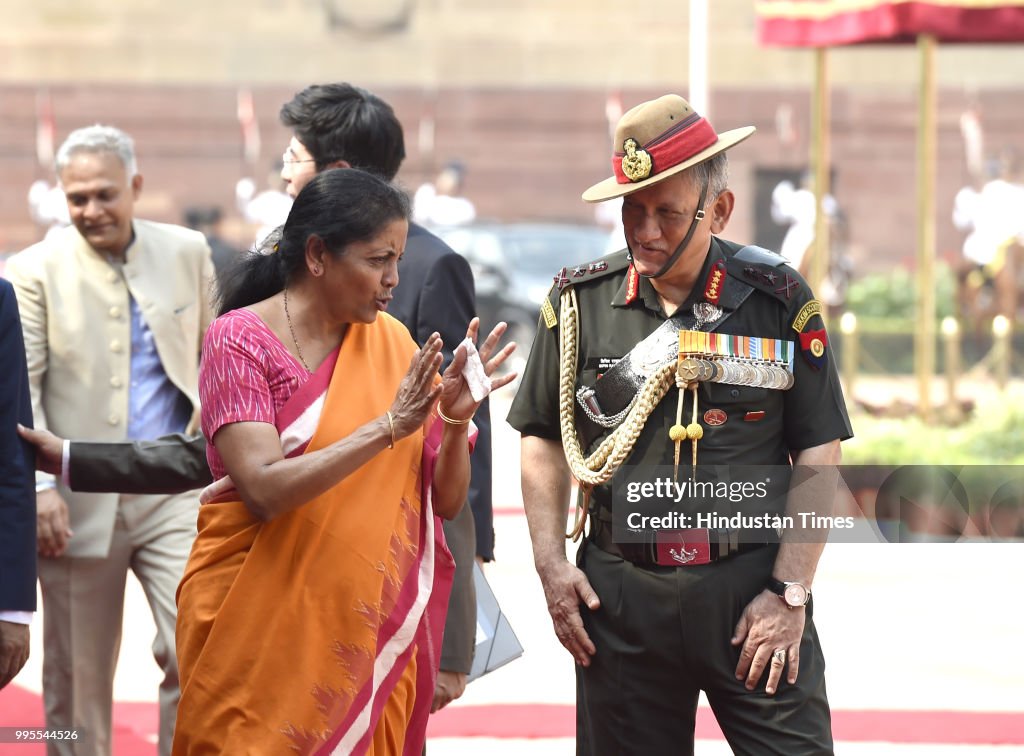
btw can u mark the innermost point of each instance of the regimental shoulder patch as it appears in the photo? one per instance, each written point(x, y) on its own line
point(813, 341)
point(803, 317)
point(814, 344)
point(550, 319)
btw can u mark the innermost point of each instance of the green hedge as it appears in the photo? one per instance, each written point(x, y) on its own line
point(891, 296)
point(993, 436)
point(884, 306)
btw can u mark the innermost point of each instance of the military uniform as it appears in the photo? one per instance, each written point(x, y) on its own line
point(663, 633)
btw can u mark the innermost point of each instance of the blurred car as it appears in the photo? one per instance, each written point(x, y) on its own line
point(514, 265)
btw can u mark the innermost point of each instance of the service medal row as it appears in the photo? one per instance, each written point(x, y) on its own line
point(736, 371)
point(753, 348)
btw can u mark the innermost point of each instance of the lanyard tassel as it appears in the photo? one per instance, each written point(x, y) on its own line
point(677, 433)
point(694, 432)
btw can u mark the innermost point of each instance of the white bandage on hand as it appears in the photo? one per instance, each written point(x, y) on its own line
point(474, 373)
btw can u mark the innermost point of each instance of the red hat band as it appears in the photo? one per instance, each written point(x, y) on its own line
point(672, 147)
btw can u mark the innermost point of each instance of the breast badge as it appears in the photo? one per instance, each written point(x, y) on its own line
point(715, 417)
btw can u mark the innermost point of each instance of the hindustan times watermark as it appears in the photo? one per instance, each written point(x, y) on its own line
point(846, 503)
point(713, 520)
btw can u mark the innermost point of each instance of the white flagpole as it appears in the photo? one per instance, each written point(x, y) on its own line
point(699, 57)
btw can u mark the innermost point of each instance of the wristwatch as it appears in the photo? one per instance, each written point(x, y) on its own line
point(793, 595)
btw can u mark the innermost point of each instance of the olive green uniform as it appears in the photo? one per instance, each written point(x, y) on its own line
point(663, 633)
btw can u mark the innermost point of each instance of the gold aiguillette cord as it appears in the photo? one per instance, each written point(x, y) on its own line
point(694, 431)
point(582, 511)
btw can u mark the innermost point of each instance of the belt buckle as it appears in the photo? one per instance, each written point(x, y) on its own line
point(682, 548)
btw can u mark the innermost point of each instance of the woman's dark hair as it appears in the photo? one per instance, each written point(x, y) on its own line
point(341, 206)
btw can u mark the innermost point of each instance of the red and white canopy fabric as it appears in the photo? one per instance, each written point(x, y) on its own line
point(824, 23)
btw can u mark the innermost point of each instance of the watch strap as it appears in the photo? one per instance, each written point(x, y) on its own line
point(778, 587)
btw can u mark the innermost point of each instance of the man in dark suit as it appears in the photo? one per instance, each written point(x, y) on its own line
point(17, 497)
point(438, 295)
point(342, 126)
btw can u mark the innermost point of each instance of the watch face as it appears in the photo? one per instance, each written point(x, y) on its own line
point(795, 594)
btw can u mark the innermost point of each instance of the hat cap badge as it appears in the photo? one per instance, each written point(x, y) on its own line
point(656, 140)
point(637, 163)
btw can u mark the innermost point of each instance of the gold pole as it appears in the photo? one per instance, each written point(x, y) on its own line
point(951, 355)
point(924, 337)
point(851, 356)
point(820, 160)
point(1001, 328)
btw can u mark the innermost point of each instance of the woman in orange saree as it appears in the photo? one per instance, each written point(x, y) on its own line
point(311, 610)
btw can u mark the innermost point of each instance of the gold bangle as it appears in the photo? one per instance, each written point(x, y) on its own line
point(391, 422)
point(449, 420)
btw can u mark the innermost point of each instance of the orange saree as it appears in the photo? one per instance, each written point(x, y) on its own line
point(319, 632)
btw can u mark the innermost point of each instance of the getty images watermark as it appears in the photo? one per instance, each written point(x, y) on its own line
point(668, 489)
point(846, 503)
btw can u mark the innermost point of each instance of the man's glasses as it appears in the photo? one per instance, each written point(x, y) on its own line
point(289, 159)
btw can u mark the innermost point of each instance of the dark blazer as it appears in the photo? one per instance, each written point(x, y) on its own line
point(17, 465)
point(435, 293)
point(170, 464)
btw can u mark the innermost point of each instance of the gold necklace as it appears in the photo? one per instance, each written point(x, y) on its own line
point(291, 329)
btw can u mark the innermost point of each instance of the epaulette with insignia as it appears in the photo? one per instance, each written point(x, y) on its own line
point(576, 274)
point(766, 271)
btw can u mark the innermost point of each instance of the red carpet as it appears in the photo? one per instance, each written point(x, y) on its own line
point(558, 721)
point(135, 724)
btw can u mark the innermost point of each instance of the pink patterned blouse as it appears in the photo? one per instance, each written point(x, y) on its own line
point(246, 374)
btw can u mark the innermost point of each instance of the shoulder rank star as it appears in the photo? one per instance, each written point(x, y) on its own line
point(636, 163)
point(632, 284)
point(768, 277)
point(713, 286)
